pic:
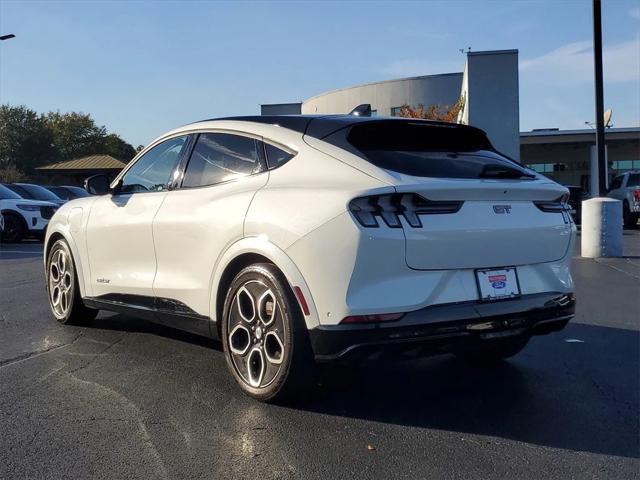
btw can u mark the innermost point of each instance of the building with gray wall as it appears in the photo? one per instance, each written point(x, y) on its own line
point(488, 85)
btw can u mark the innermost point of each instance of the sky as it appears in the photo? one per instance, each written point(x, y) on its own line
point(144, 67)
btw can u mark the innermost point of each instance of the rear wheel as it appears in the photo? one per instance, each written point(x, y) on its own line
point(265, 338)
point(14, 228)
point(494, 351)
point(629, 218)
point(62, 286)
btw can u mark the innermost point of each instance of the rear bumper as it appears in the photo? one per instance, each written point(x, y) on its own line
point(443, 328)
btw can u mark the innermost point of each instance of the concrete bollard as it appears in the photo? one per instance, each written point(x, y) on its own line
point(601, 228)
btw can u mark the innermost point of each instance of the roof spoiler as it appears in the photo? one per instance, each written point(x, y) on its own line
point(363, 110)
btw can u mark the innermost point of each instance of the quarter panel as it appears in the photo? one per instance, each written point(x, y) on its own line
point(262, 246)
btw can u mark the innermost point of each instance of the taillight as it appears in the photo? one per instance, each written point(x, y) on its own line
point(636, 195)
point(391, 206)
point(385, 317)
point(558, 205)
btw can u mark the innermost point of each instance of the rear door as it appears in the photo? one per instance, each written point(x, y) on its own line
point(122, 258)
point(198, 221)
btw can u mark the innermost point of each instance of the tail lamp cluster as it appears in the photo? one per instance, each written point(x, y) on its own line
point(390, 207)
point(636, 195)
point(558, 205)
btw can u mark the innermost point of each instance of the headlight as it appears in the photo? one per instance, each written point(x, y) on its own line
point(29, 208)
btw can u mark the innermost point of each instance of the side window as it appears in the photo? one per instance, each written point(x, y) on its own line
point(220, 157)
point(152, 172)
point(276, 156)
point(617, 183)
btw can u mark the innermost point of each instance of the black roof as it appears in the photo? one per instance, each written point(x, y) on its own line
point(319, 126)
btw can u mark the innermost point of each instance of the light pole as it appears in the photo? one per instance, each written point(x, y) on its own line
point(601, 234)
point(597, 60)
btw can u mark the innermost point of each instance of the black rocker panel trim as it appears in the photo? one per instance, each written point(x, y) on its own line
point(164, 311)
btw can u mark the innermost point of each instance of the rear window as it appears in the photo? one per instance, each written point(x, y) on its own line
point(634, 180)
point(427, 150)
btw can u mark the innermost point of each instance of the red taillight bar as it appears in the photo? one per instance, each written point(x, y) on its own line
point(636, 195)
point(375, 318)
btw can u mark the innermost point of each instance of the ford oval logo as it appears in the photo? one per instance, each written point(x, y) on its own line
point(498, 284)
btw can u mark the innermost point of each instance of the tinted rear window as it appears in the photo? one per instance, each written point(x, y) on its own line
point(427, 150)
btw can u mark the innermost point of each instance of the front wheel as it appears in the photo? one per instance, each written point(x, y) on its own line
point(265, 339)
point(62, 287)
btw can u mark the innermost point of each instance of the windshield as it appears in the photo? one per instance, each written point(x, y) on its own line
point(40, 193)
point(427, 150)
point(6, 194)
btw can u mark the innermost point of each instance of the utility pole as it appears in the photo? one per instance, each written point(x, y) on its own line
point(597, 58)
point(601, 234)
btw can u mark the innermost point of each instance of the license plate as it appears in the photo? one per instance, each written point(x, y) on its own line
point(498, 283)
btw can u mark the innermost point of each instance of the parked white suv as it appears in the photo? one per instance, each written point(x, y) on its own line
point(626, 188)
point(23, 217)
point(299, 239)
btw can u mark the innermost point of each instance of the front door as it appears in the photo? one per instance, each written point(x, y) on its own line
point(119, 231)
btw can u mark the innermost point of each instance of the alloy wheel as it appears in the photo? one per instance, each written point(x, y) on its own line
point(256, 332)
point(60, 283)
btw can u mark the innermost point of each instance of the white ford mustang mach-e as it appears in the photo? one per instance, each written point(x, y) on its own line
point(299, 239)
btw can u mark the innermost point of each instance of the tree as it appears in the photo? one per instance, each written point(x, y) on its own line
point(442, 113)
point(10, 174)
point(75, 134)
point(116, 147)
point(25, 139)
point(29, 140)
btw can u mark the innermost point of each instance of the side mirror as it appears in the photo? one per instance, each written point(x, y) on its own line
point(97, 184)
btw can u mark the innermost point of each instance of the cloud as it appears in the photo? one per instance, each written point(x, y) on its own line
point(417, 67)
point(635, 13)
point(573, 63)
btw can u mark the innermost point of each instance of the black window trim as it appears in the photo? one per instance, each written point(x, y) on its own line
point(280, 146)
point(184, 164)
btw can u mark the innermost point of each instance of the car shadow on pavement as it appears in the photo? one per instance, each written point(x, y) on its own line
point(125, 323)
point(580, 395)
point(576, 390)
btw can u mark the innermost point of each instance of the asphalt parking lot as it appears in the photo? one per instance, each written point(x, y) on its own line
point(122, 398)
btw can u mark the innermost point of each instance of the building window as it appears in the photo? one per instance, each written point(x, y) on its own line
point(395, 111)
point(623, 165)
point(548, 167)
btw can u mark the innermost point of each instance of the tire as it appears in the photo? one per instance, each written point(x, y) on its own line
point(495, 352)
point(63, 291)
point(265, 339)
point(629, 218)
point(14, 228)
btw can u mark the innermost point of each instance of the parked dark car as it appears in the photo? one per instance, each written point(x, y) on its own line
point(34, 192)
point(576, 196)
point(67, 192)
